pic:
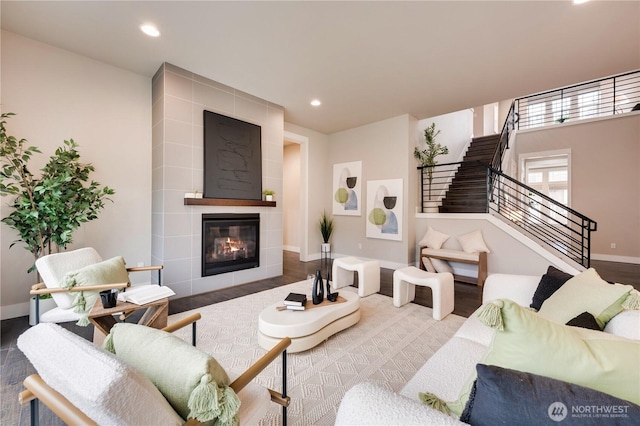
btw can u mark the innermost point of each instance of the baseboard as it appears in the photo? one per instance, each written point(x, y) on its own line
point(612, 258)
point(15, 311)
point(291, 248)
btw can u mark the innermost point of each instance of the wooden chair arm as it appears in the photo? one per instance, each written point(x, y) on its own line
point(145, 268)
point(41, 289)
point(260, 365)
point(182, 323)
point(278, 398)
point(61, 406)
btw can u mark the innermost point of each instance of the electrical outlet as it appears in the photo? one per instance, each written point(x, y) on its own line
point(613, 245)
point(360, 246)
point(140, 264)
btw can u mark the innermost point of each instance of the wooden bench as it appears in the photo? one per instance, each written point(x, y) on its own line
point(479, 259)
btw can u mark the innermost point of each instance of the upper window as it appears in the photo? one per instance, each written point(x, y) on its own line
point(588, 104)
point(536, 114)
point(560, 109)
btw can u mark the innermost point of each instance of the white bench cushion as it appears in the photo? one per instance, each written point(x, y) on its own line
point(457, 254)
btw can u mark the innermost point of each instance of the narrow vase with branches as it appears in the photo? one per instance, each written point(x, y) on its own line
point(47, 209)
point(427, 157)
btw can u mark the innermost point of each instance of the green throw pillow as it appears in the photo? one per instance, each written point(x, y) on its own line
point(109, 271)
point(191, 380)
point(526, 342)
point(587, 292)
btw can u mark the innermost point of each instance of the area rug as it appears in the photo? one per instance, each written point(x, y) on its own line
point(387, 346)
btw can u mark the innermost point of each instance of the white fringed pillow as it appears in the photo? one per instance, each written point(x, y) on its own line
point(433, 239)
point(473, 242)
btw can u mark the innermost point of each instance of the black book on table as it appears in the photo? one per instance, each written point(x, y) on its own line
point(295, 299)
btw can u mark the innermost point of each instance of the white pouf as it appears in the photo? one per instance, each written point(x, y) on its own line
point(368, 274)
point(406, 279)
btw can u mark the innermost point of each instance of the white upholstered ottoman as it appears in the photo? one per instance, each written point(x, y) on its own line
point(406, 279)
point(368, 274)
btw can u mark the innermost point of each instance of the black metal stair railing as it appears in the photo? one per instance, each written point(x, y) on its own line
point(552, 223)
point(614, 95)
point(548, 221)
point(557, 226)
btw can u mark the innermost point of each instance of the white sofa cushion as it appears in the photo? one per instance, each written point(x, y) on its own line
point(369, 404)
point(454, 254)
point(97, 382)
point(626, 324)
point(447, 371)
point(519, 288)
point(473, 329)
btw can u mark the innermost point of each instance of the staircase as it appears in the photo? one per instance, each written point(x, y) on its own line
point(468, 190)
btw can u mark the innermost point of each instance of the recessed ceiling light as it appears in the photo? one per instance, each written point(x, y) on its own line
point(579, 1)
point(150, 30)
point(316, 102)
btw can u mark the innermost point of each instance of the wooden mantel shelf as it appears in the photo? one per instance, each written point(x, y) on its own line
point(227, 202)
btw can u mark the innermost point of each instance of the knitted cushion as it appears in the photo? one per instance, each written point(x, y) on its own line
point(191, 380)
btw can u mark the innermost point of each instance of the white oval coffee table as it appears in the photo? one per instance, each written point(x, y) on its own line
point(310, 327)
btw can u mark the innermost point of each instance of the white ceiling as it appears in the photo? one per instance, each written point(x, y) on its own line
point(366, 61)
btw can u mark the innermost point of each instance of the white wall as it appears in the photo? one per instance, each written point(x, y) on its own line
point(290, 198)
point(386, 151)
point(456, 131)
point(319, 187)
point(59, 95)
point(605, 177)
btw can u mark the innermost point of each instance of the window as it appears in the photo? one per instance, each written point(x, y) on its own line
point(536, 114)
point(550, 176)
point(560, 109)
point(588, 104)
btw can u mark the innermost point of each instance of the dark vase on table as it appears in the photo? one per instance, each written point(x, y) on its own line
point(317, 292)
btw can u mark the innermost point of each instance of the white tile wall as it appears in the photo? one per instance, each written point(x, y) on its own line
point(179, 97)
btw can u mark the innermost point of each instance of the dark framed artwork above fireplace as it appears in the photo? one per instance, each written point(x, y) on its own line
point(230, 242)
point(232, 158)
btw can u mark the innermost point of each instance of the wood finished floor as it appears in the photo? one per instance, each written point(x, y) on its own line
point(14, 366)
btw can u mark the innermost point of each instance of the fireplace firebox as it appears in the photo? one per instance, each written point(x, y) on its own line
point(230, 242)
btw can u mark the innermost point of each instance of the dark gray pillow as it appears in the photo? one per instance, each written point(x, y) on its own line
point(549, 283)
point(501, 396)
point(585, 320)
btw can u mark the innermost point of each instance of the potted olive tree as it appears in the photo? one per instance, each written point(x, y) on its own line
point(427, 158)
point(49, 208)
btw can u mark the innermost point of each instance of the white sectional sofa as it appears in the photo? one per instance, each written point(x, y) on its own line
point(453, 366)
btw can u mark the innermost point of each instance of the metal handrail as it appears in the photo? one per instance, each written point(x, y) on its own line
point(595, 98)
point(559, 227)
point(553, 224)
